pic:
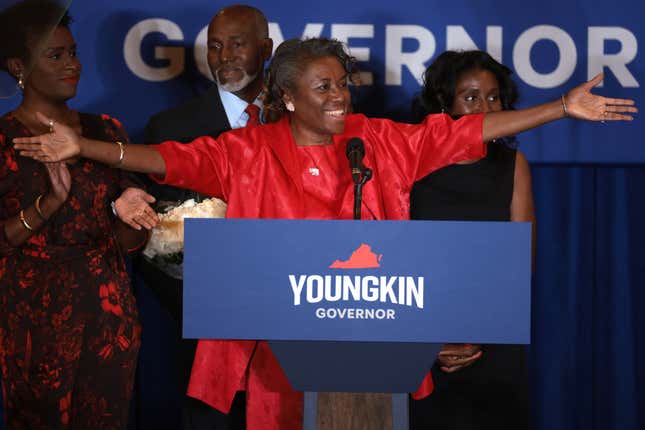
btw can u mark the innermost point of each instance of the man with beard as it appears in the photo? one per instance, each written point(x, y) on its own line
point(238, 46)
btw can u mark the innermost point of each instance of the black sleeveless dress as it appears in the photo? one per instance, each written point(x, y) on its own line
point(492, 393)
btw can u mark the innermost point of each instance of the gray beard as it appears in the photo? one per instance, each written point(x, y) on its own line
point(233, 87)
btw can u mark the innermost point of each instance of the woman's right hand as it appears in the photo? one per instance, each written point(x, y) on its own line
point(60, 180)
point(133, 208)
point(62, 143)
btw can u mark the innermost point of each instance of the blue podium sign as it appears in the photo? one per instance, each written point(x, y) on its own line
point(369, 281)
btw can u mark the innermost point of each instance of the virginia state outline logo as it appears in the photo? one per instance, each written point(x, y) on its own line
point(354, 296)
point(362, 258)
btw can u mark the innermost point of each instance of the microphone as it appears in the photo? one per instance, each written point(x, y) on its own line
point(355, 153)
point(360, 174)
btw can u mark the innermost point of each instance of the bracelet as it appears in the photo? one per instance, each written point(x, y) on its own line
point(24, 221)
point(113, 206)
point(121, 153)
point(564, 105)
point(38, 210)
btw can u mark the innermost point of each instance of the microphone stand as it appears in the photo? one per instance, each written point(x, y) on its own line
point(366, 175)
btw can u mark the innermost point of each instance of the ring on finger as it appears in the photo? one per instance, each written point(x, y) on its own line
point(51, 125)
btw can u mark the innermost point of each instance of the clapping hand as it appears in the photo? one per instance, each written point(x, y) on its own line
point(60, 180)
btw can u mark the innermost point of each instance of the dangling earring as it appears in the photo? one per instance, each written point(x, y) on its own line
point(21, 81)
point(290, 107)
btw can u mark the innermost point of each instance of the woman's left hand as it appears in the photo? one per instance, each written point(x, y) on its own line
point(456, 356)
point(60, 180)
point(133, 208)
point(582, 104)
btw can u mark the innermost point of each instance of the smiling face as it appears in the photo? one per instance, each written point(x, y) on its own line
point(477, 91)
point(237, 50)
point(321, 100)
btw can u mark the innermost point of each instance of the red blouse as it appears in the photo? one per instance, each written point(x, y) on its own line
point(259, 172)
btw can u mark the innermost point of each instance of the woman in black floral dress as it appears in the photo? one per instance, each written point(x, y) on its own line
point(69, 333)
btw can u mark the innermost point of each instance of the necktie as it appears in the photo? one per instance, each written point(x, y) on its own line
point(254, 115)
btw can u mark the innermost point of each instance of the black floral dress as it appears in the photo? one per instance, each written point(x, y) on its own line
point(69, 330)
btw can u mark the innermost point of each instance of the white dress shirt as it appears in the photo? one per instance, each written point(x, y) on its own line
point(234, 107)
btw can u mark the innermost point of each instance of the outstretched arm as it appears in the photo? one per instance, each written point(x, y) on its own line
point(63, 143)
point(578, 103)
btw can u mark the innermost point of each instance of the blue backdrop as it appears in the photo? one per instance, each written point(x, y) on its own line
point(139, 58)
point(588, 335)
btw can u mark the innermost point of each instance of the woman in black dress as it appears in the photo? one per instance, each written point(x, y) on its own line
point(476, 386)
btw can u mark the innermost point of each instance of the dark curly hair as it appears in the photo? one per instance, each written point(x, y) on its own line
point(25, 22)
point(289, 62)
point(441, 77)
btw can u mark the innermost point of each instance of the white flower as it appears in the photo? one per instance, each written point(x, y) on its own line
point(168, 236)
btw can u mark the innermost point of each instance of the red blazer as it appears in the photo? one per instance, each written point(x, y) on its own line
point(257, 172)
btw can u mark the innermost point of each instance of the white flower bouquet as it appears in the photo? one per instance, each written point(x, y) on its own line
point(165, 248)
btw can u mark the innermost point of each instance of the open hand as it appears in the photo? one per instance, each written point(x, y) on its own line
point(456, 356)
point(133, 208)
point(584, 105)
point(60, 144)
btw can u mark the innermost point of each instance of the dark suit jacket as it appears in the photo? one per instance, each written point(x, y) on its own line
point(201, 116)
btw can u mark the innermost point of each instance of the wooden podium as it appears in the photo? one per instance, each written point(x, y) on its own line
point(349, 385)
point(364, 411)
